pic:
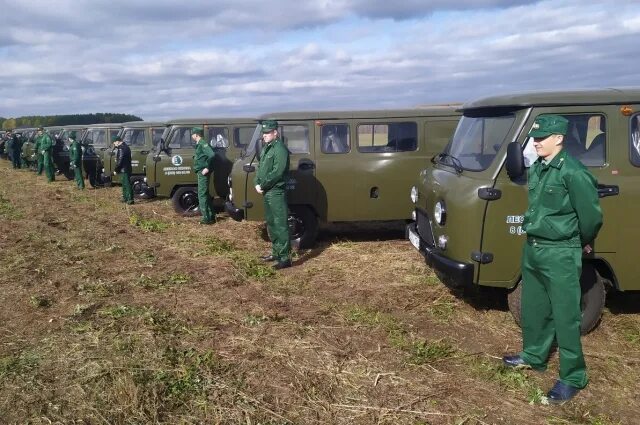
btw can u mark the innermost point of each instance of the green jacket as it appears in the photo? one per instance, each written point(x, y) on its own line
point(46, 143)
point(203, 157)
point(75, 153)
point(564, 209)
point(273, 169)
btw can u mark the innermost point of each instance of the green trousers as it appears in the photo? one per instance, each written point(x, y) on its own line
point(551, 309)
point(40, 163)
point(49, 169)
point(77, 176)
point(275, 212)
point(127, 189)
point(204, 199)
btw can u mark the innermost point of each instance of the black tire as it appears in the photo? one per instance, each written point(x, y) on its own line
point(68, 173)
point(591, 302)
point(137, 183)
point(303, 226)
point(185, 201)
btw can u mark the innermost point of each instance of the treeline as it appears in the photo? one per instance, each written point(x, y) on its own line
point(55, 120)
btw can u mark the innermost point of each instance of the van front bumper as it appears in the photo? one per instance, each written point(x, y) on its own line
point(234, 212)
point(450, 272)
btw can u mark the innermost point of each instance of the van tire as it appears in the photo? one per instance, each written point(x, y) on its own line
point(303, 226)
point(137, 184)
point(591, 303)
point(185, 201)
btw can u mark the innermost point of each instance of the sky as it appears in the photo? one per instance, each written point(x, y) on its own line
point(167, 59)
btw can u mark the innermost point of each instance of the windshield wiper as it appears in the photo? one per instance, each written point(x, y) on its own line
point(453, 161)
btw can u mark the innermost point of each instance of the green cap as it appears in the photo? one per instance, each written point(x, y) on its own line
point(269, 125)
point(72, 134)
point(116, 139)
point(197, 130)
point(546, 125)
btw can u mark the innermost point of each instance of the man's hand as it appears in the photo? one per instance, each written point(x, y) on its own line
point(587, 249)
point(205, 171)
point(259, 189)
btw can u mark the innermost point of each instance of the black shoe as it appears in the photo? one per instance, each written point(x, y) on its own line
point(282, 265)
point(561, 393)
point(129, 202)
point(206, 222)
point(516, 362)
point(267, 258)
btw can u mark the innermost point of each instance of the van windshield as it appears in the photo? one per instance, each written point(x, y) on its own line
point(251, 146)
point(477, 140)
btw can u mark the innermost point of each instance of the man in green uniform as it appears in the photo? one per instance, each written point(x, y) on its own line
point(123, 165)
point(203, 167)
point(38, 151)
point(46, 148)
point(75, 159)
point(562, 220)
point(271, 181)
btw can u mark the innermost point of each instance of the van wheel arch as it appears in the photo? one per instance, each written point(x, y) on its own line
point(592, 300)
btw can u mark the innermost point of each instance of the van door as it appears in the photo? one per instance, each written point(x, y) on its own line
point(336, 163)
point(503, 237)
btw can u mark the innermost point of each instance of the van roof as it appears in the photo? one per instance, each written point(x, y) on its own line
point(607, 96)
point(142, 124)
point(211, 121)
point(426, 110)
point(105, 125)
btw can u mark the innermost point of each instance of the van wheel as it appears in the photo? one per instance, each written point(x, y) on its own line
point(303, 226)
point(591, 302)
point(185, 201)
point(137, 184)
point(68, 173)
point(94, 180)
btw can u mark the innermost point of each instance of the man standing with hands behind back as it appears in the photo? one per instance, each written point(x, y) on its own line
point(203, 167)
point(562, 220)
point(271, 181)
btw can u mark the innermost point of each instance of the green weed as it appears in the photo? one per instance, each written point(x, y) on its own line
point(217, 246)
point(509, 379)
point(370, 317)
point(421, 352)
point(121, 311)
point(18, 364)
point(442, 310)
point(175, 279)
point(7, 210)
point(148, 224)
point(99, 288)
point(41, 301)
point(255, 320)
point(248, 266)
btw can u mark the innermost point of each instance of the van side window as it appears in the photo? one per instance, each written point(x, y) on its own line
point(134, 137)
point(635, 140)
point(218, 137)
point(585, 138)
point(334, 138)
point(181, 138)
point(295, 137)
point(392, 137)
point(242, 136)
point(99, 137)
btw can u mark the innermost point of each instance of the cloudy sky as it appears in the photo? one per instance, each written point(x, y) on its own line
point(165, 59)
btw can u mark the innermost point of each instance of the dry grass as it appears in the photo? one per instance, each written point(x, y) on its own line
point(115, 314)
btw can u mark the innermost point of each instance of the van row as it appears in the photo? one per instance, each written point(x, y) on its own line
point(455, 173)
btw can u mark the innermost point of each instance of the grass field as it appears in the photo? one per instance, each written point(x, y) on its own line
point(116, 314)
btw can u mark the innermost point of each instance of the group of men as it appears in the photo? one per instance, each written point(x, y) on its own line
point(270, 182)
point(43, 151)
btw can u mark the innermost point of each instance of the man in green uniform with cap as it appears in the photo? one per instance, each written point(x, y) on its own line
point(203, 167)
point(38, 151)
point(562, 220)
point(123, 166)
point(270, 182)
point(46, 148)
point(75, 159)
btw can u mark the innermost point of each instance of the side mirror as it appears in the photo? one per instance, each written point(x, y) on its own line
point(515, 161)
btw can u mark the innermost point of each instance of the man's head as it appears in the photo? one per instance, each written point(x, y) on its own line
point(269, 130)
point(117, 140)
point(197, 133)
point(40, 130)
point(548, 133)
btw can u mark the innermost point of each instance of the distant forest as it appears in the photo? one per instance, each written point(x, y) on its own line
point(55, 120)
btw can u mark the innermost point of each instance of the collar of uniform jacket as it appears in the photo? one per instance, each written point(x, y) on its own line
point(556, 162)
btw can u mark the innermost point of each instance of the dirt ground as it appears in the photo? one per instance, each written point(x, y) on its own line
point(116, 314)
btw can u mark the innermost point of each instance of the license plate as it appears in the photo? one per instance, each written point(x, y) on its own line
point(414, 239)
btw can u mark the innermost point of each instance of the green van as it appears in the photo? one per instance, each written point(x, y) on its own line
point(344, 166)
point(168, 167)
point(469, 203)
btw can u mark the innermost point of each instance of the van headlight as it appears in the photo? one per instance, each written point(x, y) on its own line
point(414, 194)
point(440, 213)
